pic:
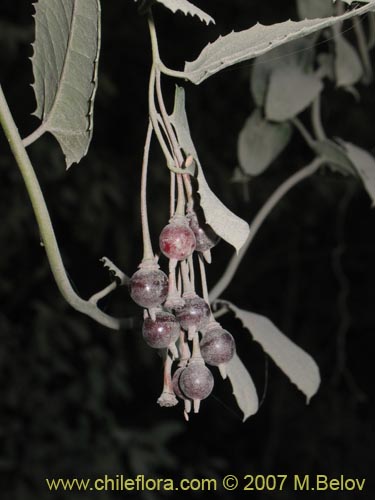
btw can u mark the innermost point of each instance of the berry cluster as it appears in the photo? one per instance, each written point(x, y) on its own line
point(176, 319)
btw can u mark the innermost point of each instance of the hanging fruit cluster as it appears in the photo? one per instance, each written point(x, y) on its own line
point(176, 319)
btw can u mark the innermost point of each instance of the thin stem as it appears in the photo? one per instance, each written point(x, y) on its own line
point(304, 132)
point(316, 120)
point(148, 253)
point(172, 194)
point(191, 271)
point(94, 299)
point(205, 293)
point(44, 221)
point(258, 220)
point(180, 208)
point(185, 277)
point(154, 119)
point(371, 38)
point(34, 135)
point(363, 51)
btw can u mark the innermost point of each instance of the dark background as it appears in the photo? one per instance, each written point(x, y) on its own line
point(77, 400)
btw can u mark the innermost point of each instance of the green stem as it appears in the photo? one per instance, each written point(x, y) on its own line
point(316, 120)
point(258, 220)
point(148, 253)
point(44, 220)
point(363, 51)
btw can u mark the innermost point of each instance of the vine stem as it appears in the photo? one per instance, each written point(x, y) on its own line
point(316, 120)
point(34, 135)
point(258, 220)
point(363, 51)
point(148, 253)
point(44, 221)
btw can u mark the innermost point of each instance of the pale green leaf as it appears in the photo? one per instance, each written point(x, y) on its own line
point(364, 163)
point(225, 223)
point(290, 91)
point(65, 63)
point(298, 53)
point(291, 359)
point(186, 8)
point(243, 387)
point(311, 9)
point(335, 155)
point(241, 46)
point(260, 142)
point(348, 66)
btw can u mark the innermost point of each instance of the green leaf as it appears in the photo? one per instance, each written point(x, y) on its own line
point(187, 8)
point(260, 142)
point(291, 359)
point(298, 53)
point(348, 66)
point(244, 45)
point(335, 155)
point(311, 9)
point(225, 223)
point(65, 65)
point(364, 163)
point(290, 91)
point(243, 387)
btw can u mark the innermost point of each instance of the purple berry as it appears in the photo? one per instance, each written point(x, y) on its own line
point(176, 382)
point(217, 346)
point(205, 236)
point(161, 332)
point(177, 240)
point(196, 381)
point(195, 313)
point(149, 287)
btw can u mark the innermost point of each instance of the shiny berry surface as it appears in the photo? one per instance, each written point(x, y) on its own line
point(195, 313)
point(177, 241)
point(196, 381)
point(161, 332)
point(205, 236)
point(149, 287)
point(217, 346)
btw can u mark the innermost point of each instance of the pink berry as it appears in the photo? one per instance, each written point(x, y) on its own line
point(196, 381)
point(217, 346)
point(149, 287)
point(161, 332)
point(195, 313)
point(205, 236)
point(177, 240)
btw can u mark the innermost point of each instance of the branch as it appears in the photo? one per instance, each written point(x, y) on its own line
point(258, 220)
point(44, 221)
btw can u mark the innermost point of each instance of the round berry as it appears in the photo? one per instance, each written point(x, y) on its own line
point(177, 240)
point(176, 382)
point(195, 313)
point(205, 236)
point(149, 287)
point(161, 332)
point(217, 346)
point(196, 381)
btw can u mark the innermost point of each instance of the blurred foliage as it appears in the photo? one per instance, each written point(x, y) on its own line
point(77, 400)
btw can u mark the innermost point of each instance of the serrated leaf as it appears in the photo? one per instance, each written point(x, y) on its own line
point(335, 155)
point(186, 8)
point(225, 223)
point(260, 142)
point(299, 53)
point(65, 63)
point(291, 359)
point(348, 66)
point(290, 91)
point(312, 9)
point(243, 387)
point(364, 163)
point(244, 45)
